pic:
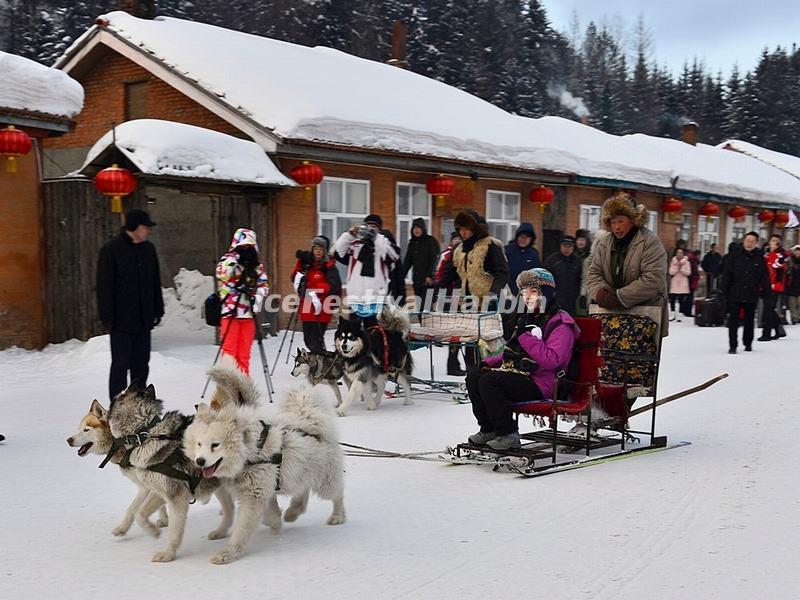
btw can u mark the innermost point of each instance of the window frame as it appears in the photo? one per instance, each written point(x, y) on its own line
point(588, 211)
point(510, 225)
point(704, 237)
point(402, 241)
point(322, 215)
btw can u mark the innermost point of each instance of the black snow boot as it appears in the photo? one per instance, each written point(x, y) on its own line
point(453, 366)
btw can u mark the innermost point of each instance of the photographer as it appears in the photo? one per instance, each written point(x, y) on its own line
point(315, 278)
point(368, 255)
point(243, 286)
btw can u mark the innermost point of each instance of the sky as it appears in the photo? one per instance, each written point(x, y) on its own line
point(720, 32)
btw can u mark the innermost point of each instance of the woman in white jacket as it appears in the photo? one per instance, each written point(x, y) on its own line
point(368, 255)
point(679, 271)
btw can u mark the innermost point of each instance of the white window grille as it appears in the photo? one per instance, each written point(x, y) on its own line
point(502, 214)
point(413, 201)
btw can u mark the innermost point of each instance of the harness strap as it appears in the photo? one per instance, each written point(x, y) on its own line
point(385, 346)
point(167, 467)
point(132, 439)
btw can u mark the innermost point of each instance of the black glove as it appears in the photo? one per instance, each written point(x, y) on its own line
point(607, 298)
point(156, 321)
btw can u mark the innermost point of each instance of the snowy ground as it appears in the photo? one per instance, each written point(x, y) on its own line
point(717, 519)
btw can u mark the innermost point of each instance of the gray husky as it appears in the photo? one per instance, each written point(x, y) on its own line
point(325, 368)
point(259, 452)
point(154, 443)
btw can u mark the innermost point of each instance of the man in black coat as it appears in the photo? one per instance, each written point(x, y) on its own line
point(712, 266)
point(566, 268)
point(129, 299)
point(744, 280)
point(421, 255)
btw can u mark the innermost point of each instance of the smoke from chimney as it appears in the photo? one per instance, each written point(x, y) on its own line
point(559, 92)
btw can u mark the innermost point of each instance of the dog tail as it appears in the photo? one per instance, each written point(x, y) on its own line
point(233, 386)
point(393, 318)
point(303, 408)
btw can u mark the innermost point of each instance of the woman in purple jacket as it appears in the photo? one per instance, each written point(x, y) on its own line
point(540, 347)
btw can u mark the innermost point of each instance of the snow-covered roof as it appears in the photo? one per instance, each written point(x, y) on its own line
point(322, 95)
point(785, 162)
point(179, 150)
point(711, 170)
point(31, 87)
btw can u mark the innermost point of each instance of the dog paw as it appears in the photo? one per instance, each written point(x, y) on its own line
point(408, 402)
point(371, 406)
point(150, 529)
point(120, 531)
point(162, 522)
point(218, 534)
point(165, 556)
point(223, 557)
point(341, 412)
point(290, 516)
point(336, 519)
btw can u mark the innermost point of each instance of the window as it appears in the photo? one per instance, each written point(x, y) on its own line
point(413, 201)
point(502, 214)
point(340, 204)
point(685, 230)
point(590, 218)
point(737, 230)
point(708, 233)
point(652, 221)
point(135, 100)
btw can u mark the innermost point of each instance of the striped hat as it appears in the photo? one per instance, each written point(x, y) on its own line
point(539, 278)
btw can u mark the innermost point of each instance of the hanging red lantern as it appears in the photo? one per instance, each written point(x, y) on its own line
point(542, 196)
point(709, 209)
point(781, 219)
point(14, 143)
point(672, 205)
point(737, 212)
point(116, 182)
point(308, 175)
point(766, 215)
point(440, 187)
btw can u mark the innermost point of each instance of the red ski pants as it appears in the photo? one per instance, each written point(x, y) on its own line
point(237, 340)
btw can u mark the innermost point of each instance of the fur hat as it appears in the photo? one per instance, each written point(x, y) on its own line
point(538, 278)
point(621, 204)
point(321, 241)
point(375, 220)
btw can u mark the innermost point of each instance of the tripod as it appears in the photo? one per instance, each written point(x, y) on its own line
point(291, 325)
point(259, 341)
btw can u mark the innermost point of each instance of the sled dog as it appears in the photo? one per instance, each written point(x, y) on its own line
point(372, 355)
point(156, 456)
point(325, 368)
point(258, 452)
point(93, 436)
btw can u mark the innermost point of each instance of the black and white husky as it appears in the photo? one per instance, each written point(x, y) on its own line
point(325, 368)
point(372, 355)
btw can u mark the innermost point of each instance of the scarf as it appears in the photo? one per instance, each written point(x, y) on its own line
point(366, 256)
point(619, 251)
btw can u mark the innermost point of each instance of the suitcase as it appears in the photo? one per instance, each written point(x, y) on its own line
point(710, 312)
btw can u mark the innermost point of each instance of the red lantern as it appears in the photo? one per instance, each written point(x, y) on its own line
point(766, 215)
point(14, 143)
point(116, 182)
point(781, 219)
point(737, 212)
point(672, 205)
point(440, 187)
point(709, 209)
point(308, 175)
point(542, 196)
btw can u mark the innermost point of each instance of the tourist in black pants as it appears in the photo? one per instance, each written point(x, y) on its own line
point(129, 299)
point(744, 280)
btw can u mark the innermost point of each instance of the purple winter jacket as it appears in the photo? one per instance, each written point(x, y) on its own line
point(551, 354)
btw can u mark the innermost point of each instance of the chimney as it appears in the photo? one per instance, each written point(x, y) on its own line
point(690, 133)
point(585, 119)
point(398, 58)
point(144, 9)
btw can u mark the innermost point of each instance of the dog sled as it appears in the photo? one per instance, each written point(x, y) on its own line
point(480, 331)
point(618, 356)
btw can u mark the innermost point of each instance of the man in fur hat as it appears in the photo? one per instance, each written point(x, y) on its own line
point(628, 263)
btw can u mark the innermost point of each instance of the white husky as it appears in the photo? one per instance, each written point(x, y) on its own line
point(258, 453)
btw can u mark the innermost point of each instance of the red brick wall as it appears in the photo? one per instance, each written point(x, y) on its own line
point(21, 270)
point(105, 103)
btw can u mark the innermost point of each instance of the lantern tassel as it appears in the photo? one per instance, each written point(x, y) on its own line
point(541, 208)
point(307, 194)
point(116, 204)
point(11, 164)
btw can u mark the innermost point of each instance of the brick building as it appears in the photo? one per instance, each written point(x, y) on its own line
point(380, 132)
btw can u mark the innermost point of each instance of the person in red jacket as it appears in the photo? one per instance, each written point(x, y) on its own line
point(315, 278)
point(776, 268)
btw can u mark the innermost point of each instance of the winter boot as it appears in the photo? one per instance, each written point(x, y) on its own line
point(453, 368)
point(780, 332)
point(481, 437)
point(505, 442)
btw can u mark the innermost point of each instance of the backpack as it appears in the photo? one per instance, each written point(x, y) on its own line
point(212, 310)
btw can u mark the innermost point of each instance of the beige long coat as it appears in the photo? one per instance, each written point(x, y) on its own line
point(645, 272)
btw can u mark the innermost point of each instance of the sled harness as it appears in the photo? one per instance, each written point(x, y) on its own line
point(277, 457)
point(385, 346)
